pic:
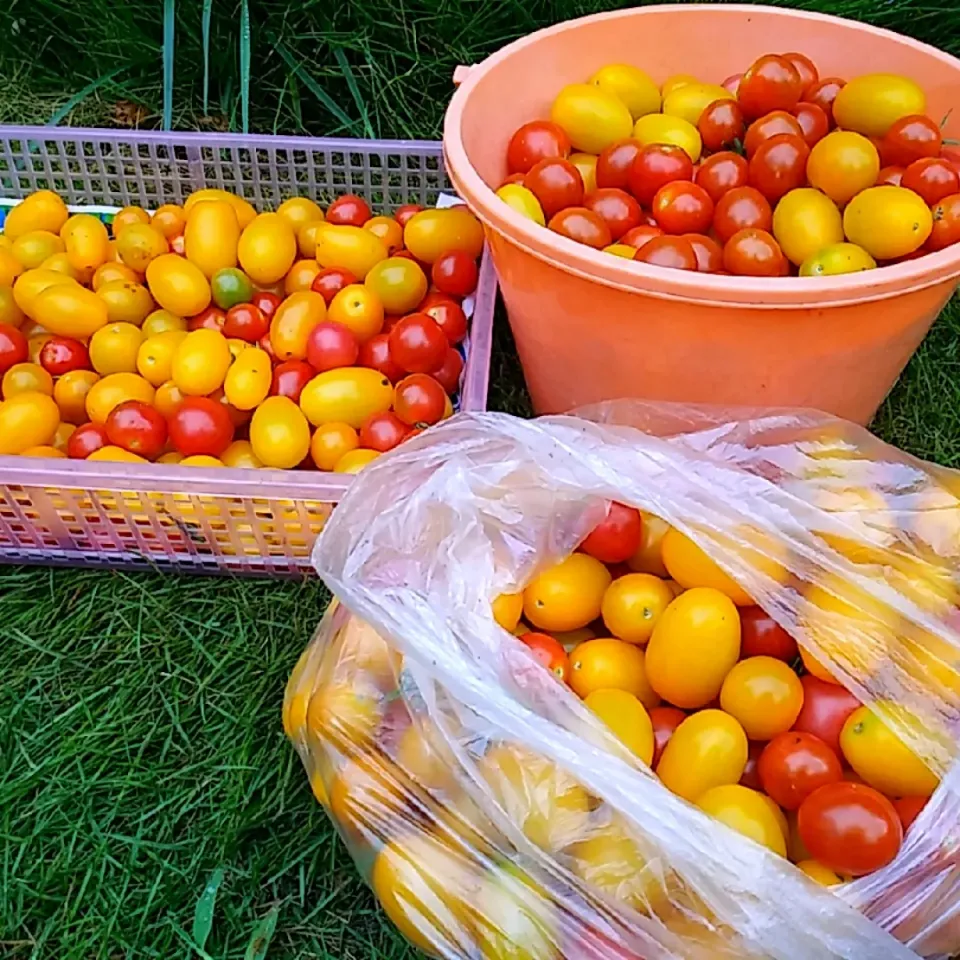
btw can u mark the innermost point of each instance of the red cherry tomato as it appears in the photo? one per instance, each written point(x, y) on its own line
point(794, 764)
point(13, 347)
point(770, 125)
point(732, 83)
point(849, 827)
point(406, 212)
point(331, 345)
point(448, 373)
point(264, 344)
point(449, 317)
point(932, 178)
point(556, 183)
point(751, 774)
point(721, 124)
point(245, 321)
point(804, 66)
point(814, 123)
point(771, 83)
point(383, 431)
point(419, 400)
point(656, 165)
point(618, 210)
point(266, 302)
point(536, 141)
point(548, 652)
point(290, 377)
point(201, 426)
point(952, 156)
point(674, 252)
point(86, 439)
point(721, 172)
point(375, 353)
point(826, 707)
point(890, 175)
point(137, 427)
point(665, 720)
point(709, 253)
point(329, 282)
point(417, 344)
point(911, 138)
point(823, 93)
point(455, 272)
point(641, 235)
point(213, 318)
point(946, 223)
point(349, 210)
point(908, 809)
point(614, 163)
point(762, 636)
point(740, 209)
point(683, 207)
point(753, 253)
point(616, 538)
point(779, 165)
point(582, 225)
point(60, 355)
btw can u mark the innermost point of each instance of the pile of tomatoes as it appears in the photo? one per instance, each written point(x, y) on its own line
point(772, 172)
point(211, 335)
point(701, 684)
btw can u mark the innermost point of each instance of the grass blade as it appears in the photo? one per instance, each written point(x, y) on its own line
point(207, 13)
point(354, 89)
point(169, 23)
point(262, 935)
point(80, 96)
point(313, 86)
point(245, 65)
point(203, 914)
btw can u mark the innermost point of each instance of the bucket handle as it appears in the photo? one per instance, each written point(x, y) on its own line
point(460, 74)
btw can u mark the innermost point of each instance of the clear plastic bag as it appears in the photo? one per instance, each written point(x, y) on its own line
point(493, 815)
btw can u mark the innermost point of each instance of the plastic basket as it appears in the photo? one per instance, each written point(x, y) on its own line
point(116, 515)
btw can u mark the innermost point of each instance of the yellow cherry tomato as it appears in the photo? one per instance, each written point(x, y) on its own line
point(35, 345)
point(300, 276)
point(507, 609)
point(804, 222)
point(817, 872)
point(708, 749)
point(388, 230)
point(591, 116)
point(112, 270)
point(691, 567)
point(248, 379)
point(114, 389)
point(675, 82)
point(200, 362)
point(237, 346)
point(64, 431)
point(46, 450)
point(694, 645)
point(111, 454)
point(240, 454)
point(638, 93)
point(745, 811)
point(127, 301)
point(621, 250)
point(627, 719)
point(567, 595)
point(69, 310)
point(163, 321)
point(659, 128)
point(346, 395)
point(267, 248)
point(605, 663)
point(307, 238)
point(155, 356)
point(279, 433)
point(10, 313)
point(26, 378)
point(70, 392)
point(633, 604)
point(168, 397)
point(835, 259)
point(201, 460)
point(114, 348)
point(178, 285)
point(523, 201)
point(211, 236)
point(170, 220)
point(298, 211)
point(764, 694)
point(140, 244)
point(431, 233)
point(399, 283)
point(87, 241)
point(43, 210)
point(244, 211)
point(32, 248)
point(60, 263)
point(171, 457)
point(691, 99)
point(351, 248)
point(355, 461)
point(27, 420)
point(331, 442)
point(842, 164)
point(30, 284)
point(586, 164)
point(127, 217)
point(888, 222)
point(10, 267)
point(873, 102)
point(290, 326)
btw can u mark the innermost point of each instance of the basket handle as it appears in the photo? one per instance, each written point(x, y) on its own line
point(460, 74)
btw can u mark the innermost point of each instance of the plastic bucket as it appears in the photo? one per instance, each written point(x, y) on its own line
point(590, 326)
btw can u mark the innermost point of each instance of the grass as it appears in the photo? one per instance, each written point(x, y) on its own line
point(142, 749)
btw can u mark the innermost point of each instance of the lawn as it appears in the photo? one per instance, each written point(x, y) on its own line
point(142, 748)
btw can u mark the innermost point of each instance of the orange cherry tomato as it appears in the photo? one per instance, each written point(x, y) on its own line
point(764, 694)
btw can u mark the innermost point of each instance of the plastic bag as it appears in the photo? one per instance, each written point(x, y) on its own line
point(492, 814)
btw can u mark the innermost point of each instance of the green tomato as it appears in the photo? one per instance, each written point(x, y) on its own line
point(230, 286)
point(837, 258)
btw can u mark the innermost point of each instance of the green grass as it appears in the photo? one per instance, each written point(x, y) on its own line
point(141, 749)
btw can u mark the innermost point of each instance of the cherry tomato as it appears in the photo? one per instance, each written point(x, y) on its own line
point(683, 207)
point(383, 431)
point(849, 827)
point(536, 141)
point(617, 537)
point(614, 163)
point(289, 379)
point(721, 172)
point(890, 176)
point(264, 344)
point(455, 273)
point(349, 210)
point(721, 124)
point(794, 764)
point(814, 123)
point(665, 720)
point(556, 183)
point(582, 225)
point(266, 302)
point(448, 316)
point(762, 636)
point(375, 353)
point(823, 93)
point(60, 355)
point(946, 223)
point(331, 345)
point(656, 165)
point(770, 125)
point(741, 208)
point(417, 344)
point(641, 235)
point(672, 252)
point(826, 707)
point(548, 652)
point(910, 138)
point(932, 178)
point(771, 83)
point(419, 400)
point(779, 165)
point(753, 253)
point(201, 426)
point(448, 373)
point(751, 772)
point(212, 318)
point(246, 322)
point(329, 282)
point(137, 427)
point(616, 208)
point(908, 809)
point(709, 253)
point(764, 695)
point(405, 213)
point(804, 66)
point(13, 347)
point(86, 439)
